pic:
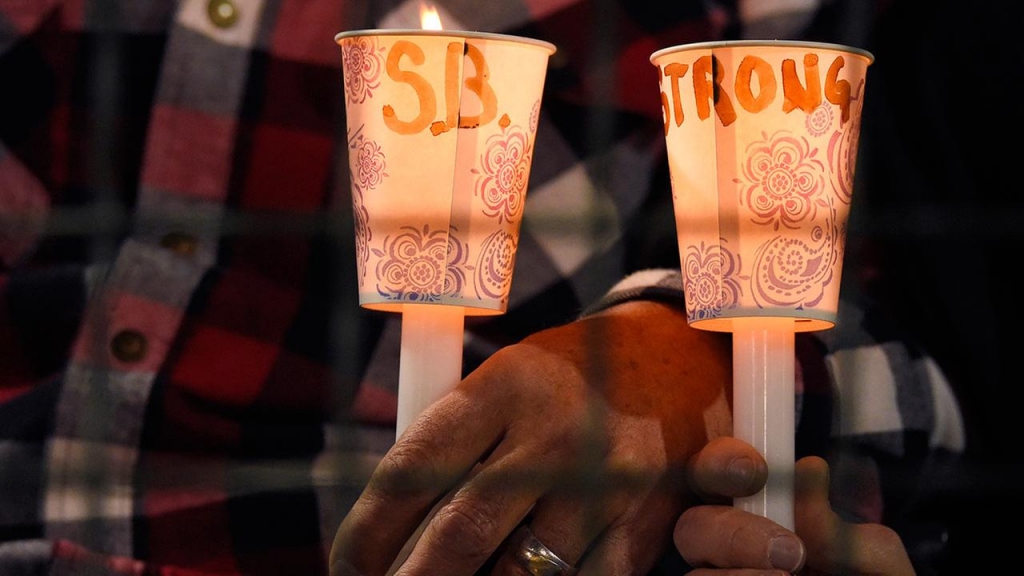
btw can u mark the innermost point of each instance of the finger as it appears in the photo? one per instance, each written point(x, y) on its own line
point(634, 542)
point(485, 509)
point(577, 519)
point(727, 537)
point(812, 510)
point(838, 546)
point(567, 525)
point(432, 455)
point(872, 548)
point(726, 468)
point(616, 499)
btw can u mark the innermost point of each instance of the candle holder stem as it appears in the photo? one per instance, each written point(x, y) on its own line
point(764, 409)
point(431, 358)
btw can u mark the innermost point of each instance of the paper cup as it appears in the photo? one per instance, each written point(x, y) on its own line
point(441, 128)
point(762, 145)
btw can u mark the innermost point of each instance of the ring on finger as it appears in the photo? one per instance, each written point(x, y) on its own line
point(538, 559)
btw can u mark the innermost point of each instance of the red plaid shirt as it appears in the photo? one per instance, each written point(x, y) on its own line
point(187, 383)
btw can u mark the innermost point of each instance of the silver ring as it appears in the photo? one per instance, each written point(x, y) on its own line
point(538, 559)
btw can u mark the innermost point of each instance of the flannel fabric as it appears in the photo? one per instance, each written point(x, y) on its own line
point(187, 384)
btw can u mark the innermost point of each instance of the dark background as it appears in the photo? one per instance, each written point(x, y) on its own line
point(937, 228)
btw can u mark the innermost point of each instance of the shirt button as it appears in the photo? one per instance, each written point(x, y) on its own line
point(128, 346)
point(180, 243)
point(223, 13)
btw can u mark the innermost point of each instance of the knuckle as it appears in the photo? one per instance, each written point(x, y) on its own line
point(469, 525)
point(406, 469)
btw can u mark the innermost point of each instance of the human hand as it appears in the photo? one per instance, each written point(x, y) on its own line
point(581, 432)
point(721, 540)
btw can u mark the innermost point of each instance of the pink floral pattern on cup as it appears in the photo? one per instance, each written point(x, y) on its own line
point(421, 265)
point(784, 187)
point(783, 180)
point(713, 279)
point(363, 64)
point(368, 170)
point(820, 121)
point(842, 156)
point(504, 171)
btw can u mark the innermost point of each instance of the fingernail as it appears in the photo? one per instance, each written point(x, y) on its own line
point(742, 472)
point(786, 553)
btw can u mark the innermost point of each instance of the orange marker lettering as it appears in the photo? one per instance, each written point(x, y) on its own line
point(838, 91)
point(749, 67)
point(674, 72)
point(707, 86)
point(478, 84)
point(451, 83)
point(795, 95)
point(424, 92)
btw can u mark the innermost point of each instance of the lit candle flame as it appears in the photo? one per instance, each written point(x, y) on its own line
point(429, 18)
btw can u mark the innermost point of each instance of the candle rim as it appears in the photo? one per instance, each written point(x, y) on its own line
point(764, 43)
point(466, 34)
